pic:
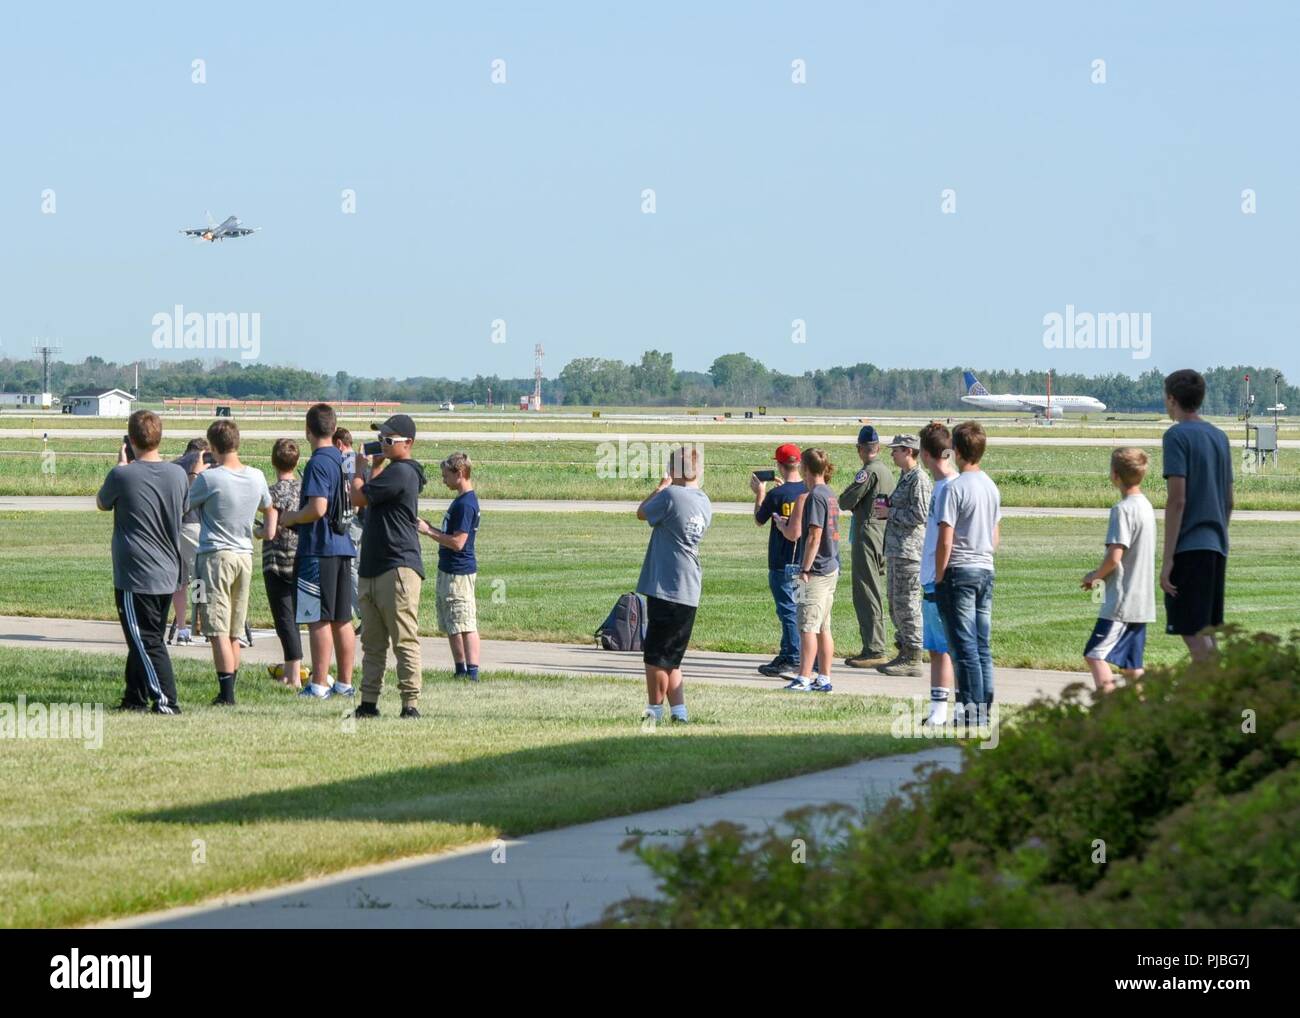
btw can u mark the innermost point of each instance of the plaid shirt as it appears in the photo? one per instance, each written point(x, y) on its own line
point(277, 555)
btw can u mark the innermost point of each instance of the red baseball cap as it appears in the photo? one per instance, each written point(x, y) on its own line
point(788, 453)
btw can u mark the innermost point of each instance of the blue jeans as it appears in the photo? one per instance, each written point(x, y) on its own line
point(783, 593)
point(966, 606)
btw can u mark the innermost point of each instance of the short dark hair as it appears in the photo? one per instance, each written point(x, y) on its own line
point(969, 440)
point(284, 454)
point(321, 421)
point(936, 439)
point(197, 445)
point(342, 435)
point(224, 435)
point(1186, 388)
point(145, 430)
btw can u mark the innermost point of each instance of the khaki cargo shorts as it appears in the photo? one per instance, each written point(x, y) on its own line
point(816, 597)
point(224, 579)
point(457, 610)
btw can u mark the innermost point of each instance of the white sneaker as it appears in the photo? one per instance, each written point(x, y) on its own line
point(314, 692)
point(183, 635)
point(799, 685)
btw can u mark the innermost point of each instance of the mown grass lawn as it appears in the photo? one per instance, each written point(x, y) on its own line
point(554, 576)
point(279, 789)
point(581, 469)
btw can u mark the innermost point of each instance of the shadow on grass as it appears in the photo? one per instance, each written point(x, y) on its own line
point(544, 787)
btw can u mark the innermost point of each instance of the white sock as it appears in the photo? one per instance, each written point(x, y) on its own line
point(679, 711)
point(342, 685)
point(938, 708)
point(657, 709)
point(317, 685)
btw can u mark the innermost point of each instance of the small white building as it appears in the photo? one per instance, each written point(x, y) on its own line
point(25, 400)
point(98, 402)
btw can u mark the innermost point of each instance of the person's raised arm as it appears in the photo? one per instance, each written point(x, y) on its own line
point(664, 482)
point(761, 513)
point(791, 526)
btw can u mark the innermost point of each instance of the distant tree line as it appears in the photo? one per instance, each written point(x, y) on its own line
point(733, 380)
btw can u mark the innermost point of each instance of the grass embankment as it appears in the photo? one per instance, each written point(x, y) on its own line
point(169, 811)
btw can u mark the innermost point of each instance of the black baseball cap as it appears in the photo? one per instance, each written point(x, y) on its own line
point(398, 424)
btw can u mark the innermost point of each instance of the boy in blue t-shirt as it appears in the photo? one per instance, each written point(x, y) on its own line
point(323, 561)
point(457, 565)
point(777, 507)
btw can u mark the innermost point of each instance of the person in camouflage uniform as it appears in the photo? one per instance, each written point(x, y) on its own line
point(867, 536)
point(904, 537)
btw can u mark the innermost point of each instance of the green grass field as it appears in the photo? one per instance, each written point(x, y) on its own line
point(553, 577)
point(1027, 475)
point(91, 834)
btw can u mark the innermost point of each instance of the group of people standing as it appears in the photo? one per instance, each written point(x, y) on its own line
point(926, 539)
point(340, 554)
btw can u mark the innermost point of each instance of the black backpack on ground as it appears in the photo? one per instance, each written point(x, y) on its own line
point(624, 627)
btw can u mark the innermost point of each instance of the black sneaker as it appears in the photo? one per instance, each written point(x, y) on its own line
point(130, 705)
point(409, 712)
point(366, 710)
point(773, 668)
point(221, 701)
point(166, 708)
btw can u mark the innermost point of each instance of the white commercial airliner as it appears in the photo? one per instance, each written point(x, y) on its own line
point(1049, 406)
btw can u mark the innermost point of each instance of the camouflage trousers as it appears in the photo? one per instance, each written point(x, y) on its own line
point(905, 602)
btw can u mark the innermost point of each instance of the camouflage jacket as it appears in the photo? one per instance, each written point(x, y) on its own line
point(909, 505)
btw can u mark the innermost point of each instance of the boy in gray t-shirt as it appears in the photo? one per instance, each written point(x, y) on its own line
point(227, 496)
point(147, 498)
point(1127, 575)
point(680, 514)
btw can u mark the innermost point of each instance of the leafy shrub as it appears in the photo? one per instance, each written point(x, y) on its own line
point(1189, 784)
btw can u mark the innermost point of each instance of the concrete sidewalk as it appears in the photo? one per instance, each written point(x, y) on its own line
point(558, 878)
point(1014, 685)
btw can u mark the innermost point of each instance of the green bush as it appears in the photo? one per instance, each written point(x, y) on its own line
point(1173, 804)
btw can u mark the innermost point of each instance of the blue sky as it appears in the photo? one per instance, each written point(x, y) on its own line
point(775, 201)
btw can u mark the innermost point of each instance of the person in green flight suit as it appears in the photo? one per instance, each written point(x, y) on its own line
point(867, 536)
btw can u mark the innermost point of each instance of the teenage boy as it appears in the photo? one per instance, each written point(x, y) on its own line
point(228, 497)
point(679, 514)
point(1128, 571)
point(871, 486)
point(774, 508)
point(936, 456)
point(819, 572)
point(969, 514)
point(391, 570)
point(147, 497)
point(194, 460)
point(909, 505)
point(458, 565)
point(1198, 505)
point(323, 561)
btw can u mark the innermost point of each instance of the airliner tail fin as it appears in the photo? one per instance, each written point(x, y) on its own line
point(973, 385)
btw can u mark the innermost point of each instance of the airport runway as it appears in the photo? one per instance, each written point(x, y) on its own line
point(704, 437)
point(85, 503)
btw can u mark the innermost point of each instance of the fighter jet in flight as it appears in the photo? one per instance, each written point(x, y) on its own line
point(220, 231)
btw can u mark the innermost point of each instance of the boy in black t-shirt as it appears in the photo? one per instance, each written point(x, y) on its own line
point(390, 572)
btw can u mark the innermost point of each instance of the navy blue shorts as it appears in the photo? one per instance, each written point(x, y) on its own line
point(1120, 643)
